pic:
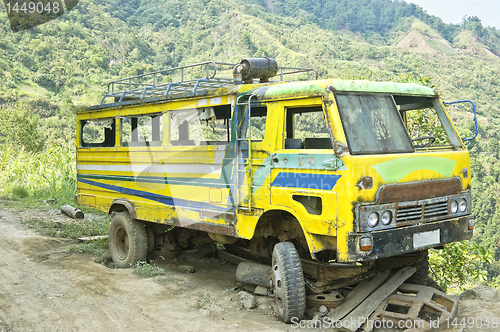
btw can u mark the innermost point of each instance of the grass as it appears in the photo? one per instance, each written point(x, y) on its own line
point(72, 230)
point(20, 191)
point(47, 174)
point(202, 303)
point(27, 178)
point(146, 270)
point(99, 249)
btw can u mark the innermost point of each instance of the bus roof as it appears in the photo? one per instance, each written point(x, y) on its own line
point(282, 90)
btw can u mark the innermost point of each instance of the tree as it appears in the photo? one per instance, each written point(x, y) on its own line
point(20, 128)
point(473, 23)
point(460, 263)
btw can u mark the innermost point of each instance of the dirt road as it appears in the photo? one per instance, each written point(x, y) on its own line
point(43, 287)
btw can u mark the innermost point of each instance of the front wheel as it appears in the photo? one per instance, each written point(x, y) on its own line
point(128, 241)
point(421, 276)
point(287, 282)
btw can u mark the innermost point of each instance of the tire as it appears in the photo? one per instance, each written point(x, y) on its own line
point(127, 240)
point(420, 276)
point(287, 282)
point(151, 236)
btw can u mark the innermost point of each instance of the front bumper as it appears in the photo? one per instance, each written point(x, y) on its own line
point(402, 240)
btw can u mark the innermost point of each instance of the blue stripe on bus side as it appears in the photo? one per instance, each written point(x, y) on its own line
point(171, 201)
point(305, 181)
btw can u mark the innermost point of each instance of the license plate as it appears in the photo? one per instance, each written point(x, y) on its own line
point(426, 239)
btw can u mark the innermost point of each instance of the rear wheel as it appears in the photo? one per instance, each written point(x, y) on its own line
point(287, 282)
point(151, 236)
point(127, 240)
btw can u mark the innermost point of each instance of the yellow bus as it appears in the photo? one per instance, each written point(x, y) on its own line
point(328, 179)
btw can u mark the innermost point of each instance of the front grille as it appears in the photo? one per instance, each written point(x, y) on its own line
point(421, 211)
point(436, 209)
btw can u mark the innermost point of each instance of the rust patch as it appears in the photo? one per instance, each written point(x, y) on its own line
point(206, 227)
point(339, 148)
point(327, 272)
point(415, 191)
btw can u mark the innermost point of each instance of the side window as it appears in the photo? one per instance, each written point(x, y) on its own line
point(426, 122)
point(306, 128)
point(97, 133)
point(200, 126)
point(145, 130)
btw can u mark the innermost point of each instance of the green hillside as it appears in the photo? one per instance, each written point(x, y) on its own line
point(64, 64)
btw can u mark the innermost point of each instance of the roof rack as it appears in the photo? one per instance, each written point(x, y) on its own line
point(154, 84)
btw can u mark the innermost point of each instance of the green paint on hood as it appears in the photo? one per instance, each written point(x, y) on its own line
point(397, 169)
point(295, 89)
point(383, 87)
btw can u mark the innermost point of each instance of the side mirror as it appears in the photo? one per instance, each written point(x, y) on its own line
point(475, 116)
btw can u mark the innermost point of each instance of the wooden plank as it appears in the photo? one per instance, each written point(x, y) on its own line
point(371, 303)
point(92, 238)
point(357, 295)
point(230, 257)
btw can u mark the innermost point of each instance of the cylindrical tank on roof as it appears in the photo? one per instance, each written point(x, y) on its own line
point(248, 69)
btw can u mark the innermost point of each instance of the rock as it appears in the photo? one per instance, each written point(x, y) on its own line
point(248, 300)
point(57, 224)
point(265, 303)
point(253, 273)
point(323, 311)
point(207, 251)
point(228, 299)
point(204, 312)
point(259, 290)
point(214, 308)
point(186, 269)
point(310, 312)
point(316, 320)
point(481, 292)
point(433, 283)
point(247, 287)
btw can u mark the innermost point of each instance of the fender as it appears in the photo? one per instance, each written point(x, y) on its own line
point(121, 205)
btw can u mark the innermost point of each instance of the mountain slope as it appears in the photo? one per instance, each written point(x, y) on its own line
point(66, 63)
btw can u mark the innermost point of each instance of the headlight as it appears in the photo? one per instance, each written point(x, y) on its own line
point(462, 205)
point(373, 219)
point(386, 217)
point(454, 207)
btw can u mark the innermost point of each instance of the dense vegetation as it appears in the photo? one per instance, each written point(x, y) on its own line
point(49, 71)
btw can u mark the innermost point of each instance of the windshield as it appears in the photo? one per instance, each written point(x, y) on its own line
point(372, 124)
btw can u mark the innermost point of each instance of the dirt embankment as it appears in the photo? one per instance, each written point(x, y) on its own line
point(44, 287)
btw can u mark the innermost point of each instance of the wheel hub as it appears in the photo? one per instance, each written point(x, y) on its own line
point(276, 286)
point(122, 243)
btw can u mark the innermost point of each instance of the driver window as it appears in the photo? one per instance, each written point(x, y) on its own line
point(306, 128)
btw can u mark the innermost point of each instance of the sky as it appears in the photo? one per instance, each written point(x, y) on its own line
point(453, 11)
